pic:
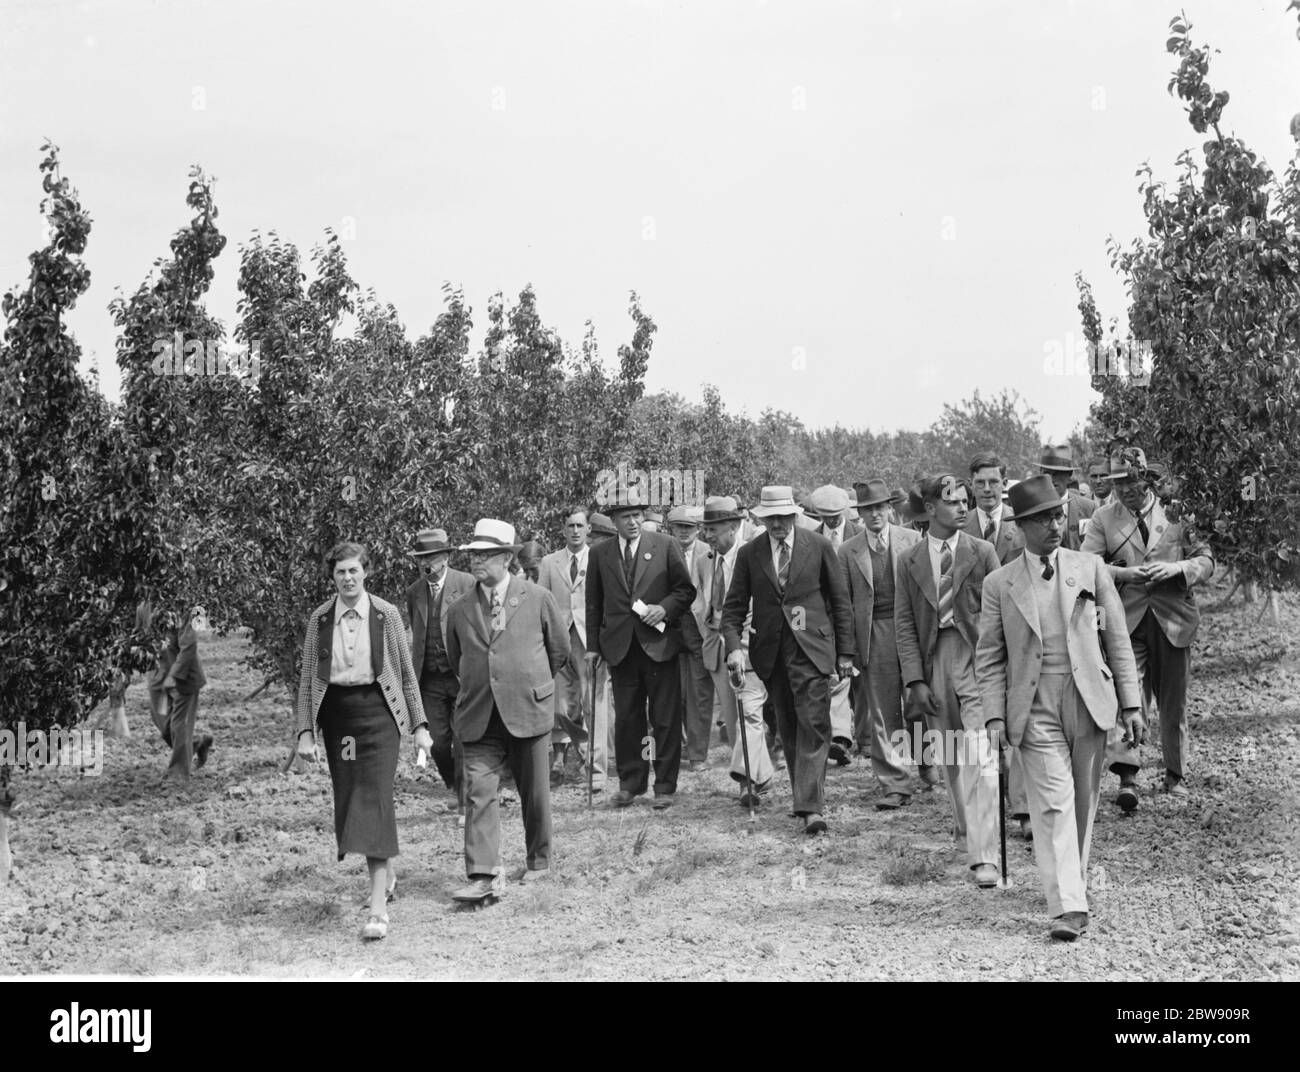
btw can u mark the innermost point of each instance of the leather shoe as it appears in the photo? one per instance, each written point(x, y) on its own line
point(892, 802)
point(623, 798)
point(930, 778)
point(814, 824)
point(839, 754)
point(1026, 829)
point(479, 888)
point(1127, 798)
point(1068, 927)
point(202, 749)
point(376, 927)
point(663, 801)
point(528, 876)
point(1175, 787)
point(986, 876)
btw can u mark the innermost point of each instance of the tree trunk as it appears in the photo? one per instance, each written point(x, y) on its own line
point(1274, 610)
point(1251, 590)
point(6, 804)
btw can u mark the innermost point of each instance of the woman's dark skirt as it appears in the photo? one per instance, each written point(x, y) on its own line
point(361, 745)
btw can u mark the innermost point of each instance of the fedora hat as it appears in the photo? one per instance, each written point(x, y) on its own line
point(492, 535)
point(1033, 496)
point(873, 492)
point(1057, 459)
point(721, 508)
point(1131, 462)
point(776, 500)
point(627, 497)
point(828, 499)
point(429, 542)
point(600, 523)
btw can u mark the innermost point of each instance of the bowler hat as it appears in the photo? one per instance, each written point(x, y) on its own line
point(429, 542)
point(492, 535)
point(1033, 496)
point(873, 492)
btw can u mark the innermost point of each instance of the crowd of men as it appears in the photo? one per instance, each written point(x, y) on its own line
point(919, 631)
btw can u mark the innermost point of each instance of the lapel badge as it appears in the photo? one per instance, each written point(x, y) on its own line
point(1159, 529)
point(647, 556)
point(514, 601)
point(1070, 581)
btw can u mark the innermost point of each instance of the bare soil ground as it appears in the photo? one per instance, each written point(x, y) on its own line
point(236, 875)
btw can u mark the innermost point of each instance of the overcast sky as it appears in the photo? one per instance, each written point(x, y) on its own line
point(853, 211)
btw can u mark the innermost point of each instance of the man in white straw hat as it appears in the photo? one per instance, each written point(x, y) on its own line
point(507, 640)
point(802, 638)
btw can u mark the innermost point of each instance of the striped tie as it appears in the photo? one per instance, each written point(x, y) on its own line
point(498, 612)
point(719, 587)
point(990, 529)
point(945, 586)
point(783, 565)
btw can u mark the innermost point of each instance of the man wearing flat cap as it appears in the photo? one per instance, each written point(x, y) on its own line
point(830, 504)
point(1055, 668)
point(637, 590)
point(871, 564)
point(697, 683)
point(1057, 462)
point(802, 640)
point(428, 601)
point(712, 576)
point(507, 641)
point(1155, 562)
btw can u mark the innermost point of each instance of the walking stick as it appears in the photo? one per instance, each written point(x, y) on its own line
point(744, 747)
point(1004, 882)
point(591, 740)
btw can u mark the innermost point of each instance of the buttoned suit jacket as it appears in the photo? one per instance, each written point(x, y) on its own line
point(1113, 533)
point(390, 661)
point(815, 603)
point(553, 575)
point(714, 651)
point(660, 577)
point(1008, 542)
point(1081, 509)
point(513, 669)
point(916, 602)
point(455, 584)
point(855, 560)
point(1009, 655)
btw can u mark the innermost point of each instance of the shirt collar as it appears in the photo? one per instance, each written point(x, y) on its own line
point(500, 588)
point(788, 541)
point(882, 536)
point(936, 544)
point(623, 544)
point(1034, 561)
point(581, 554)
point(985, 517)
point(362, 608)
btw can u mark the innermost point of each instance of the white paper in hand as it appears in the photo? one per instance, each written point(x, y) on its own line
point(639, 608)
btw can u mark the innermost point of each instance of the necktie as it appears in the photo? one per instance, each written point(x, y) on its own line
point(629, 564)
point(1142, 528)
point(945, 585)
point(835, 537)
point(573, 569)
point(878, 544)
point(1048, 572)
point(783, 565)
point(498, 616)
point(434, 589)
point(719, 586)
point(990, 529)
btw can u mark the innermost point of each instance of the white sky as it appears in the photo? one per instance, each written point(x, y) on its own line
point(767, 175)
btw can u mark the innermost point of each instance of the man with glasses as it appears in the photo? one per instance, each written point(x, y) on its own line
point(428, 602)
point(1154, 561)
point(1046, 618)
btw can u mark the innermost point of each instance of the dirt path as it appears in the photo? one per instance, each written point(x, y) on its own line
point(236, 876)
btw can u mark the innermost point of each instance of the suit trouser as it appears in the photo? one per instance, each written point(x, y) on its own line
point(1063, 752)
point(438, 695)
point(174, 714)
point(529, 760)
point(697, 691)
point(647, 694)
point(1166, 670)
point(752, 696)
point(801, 696)
point(1017, 796)
point(971, 766)
point(880, 709)
point(842, 712)
point(573, 700)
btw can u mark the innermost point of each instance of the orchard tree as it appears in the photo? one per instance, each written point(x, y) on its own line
point(1215, 289)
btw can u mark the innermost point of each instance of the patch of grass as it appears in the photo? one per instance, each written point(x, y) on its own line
point(314, 911)
point(639, 844)
point(908, 868)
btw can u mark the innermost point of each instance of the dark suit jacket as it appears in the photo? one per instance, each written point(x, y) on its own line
point(454, 585)
point(916, 602)
point(187, 669)
point(855, 558)
point(513, 669)
point(815, 603)
point(1008, 543)
point(660, 578)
